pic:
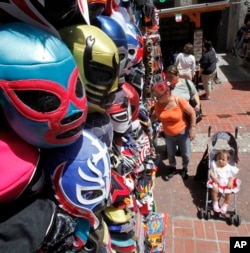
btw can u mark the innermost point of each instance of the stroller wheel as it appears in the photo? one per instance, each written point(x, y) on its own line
point(237, 220)
point(231, 219)
point(201, 213)
point(208, 215)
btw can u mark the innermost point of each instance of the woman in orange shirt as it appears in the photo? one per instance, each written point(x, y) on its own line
point(171, 111)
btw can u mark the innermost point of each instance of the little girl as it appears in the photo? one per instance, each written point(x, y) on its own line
point(223, 180)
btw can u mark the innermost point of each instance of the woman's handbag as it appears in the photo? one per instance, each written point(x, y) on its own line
point(198, 116)
point(193, 103)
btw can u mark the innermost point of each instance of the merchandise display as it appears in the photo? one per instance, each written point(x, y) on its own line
point(76, 139)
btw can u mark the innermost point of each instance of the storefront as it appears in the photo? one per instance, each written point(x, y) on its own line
point(178, 25)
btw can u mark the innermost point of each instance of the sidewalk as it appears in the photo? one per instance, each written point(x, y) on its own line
point(228, 108)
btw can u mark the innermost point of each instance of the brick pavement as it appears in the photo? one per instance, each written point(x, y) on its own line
point(228, 108)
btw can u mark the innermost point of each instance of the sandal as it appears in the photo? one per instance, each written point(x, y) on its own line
point(224, 208)
point(216, 207)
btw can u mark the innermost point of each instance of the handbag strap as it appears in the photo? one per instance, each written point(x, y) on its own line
point(189, 88)
point(190, 92)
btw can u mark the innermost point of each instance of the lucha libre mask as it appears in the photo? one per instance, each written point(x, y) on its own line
point(120, 113)
point(100, 125)
point(98, 61)
point(80, 176)
point(135, 44)
point(134, 99)
point(43, 97)
point(96, 7)
point(19, 167)
point(115, 31)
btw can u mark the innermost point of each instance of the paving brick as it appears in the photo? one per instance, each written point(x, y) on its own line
point(184, 232)
point(210, 230)
point(203, 246)
point(190, 246)
point(248, 228)
point(179, 245)
point(183, 223)
point(243, 230)
point(199, 229)
point(224, 247)
point(224, 236)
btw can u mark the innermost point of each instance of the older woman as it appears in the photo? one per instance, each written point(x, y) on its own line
point(180, 87)
point(171, 111)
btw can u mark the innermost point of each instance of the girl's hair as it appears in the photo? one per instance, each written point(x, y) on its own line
point(188, 48)
point(223, 152)
point(172, 69)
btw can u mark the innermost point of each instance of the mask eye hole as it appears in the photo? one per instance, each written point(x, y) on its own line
point(131, 51)
point(120, 117)
point(79, 88)
point(121, 56)
point(103, 76)
point(90, 195)
point(40, 101)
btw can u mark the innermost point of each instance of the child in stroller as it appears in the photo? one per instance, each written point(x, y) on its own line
point(222, 180)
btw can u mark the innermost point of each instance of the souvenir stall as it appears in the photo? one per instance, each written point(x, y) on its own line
point(78, 163)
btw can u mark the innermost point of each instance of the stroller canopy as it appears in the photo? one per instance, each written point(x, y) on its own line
point(231, 141)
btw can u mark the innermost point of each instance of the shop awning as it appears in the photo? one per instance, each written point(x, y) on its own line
point(194, 11)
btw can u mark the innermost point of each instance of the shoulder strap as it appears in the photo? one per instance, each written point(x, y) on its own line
point(177, 102)
point(189, 88)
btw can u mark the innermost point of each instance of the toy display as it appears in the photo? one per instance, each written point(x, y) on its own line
point(156, 228)
point(75, 136)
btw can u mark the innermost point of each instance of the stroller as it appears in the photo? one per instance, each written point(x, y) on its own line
point(230, 140)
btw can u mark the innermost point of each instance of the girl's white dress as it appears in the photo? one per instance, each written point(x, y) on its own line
point(223, 174)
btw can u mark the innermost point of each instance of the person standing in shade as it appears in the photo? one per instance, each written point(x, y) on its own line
point(207, 72)
point(185, 62)
point(246, 40)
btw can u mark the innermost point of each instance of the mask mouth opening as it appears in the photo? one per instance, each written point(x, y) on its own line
point(71, 132)
point(71, 118)
point(105, 101)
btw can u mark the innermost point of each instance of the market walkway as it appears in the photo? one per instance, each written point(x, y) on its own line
point(229, 108)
